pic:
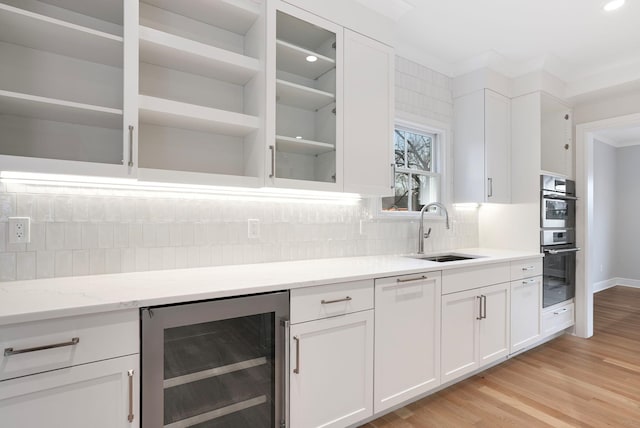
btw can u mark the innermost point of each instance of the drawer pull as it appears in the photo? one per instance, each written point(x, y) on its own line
point(10, 351)
point(561, 311)
point(326, 302)
point(526, 268)
point(400, 280)
point(297, 369)
point(130, 374)
point(529, 281)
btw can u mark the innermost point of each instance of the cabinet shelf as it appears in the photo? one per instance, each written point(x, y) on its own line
point(178, 53)
point(301, 146)
point(237, 16)
point(303, 97)
point(25, 28)
point(18, 104)
point(292, 59)
point(176, 114)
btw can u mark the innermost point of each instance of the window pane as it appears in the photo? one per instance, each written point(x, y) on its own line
point(426, 189)
point(400, 201)
point(399, 147)
point(419, 151)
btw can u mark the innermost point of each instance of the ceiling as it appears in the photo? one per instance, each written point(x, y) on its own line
point(620, 137)
point(572, 39)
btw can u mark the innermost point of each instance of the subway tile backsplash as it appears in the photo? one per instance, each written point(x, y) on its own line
point(83, 231)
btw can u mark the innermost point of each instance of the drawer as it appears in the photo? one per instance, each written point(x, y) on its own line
point(526, 268)
point(101, 336)
point(557, 319)
point(324, 301)
point(455, 280)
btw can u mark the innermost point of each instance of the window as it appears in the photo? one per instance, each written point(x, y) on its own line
point(417, 169)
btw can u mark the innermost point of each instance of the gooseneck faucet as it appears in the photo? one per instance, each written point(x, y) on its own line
point(421, 234)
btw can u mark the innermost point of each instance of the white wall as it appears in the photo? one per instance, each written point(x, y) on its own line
point(605, 250)
point(80, 231)
point(627, 213)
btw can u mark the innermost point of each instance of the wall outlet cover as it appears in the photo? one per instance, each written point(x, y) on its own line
point(19, 230)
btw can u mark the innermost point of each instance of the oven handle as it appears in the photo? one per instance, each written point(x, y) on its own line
point(568, 250)
point(561, 197)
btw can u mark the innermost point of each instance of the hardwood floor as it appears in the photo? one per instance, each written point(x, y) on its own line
point(568, 382)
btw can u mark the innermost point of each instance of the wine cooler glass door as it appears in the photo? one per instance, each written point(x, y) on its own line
point(214, 364)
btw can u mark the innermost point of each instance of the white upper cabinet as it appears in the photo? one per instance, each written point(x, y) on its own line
point(556, 143)
point(482, 148)
point(304, 122)
point(368, 115)
point(67, 87)
point(201, 98)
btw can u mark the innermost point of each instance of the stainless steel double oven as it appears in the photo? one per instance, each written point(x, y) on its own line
point(558, 239)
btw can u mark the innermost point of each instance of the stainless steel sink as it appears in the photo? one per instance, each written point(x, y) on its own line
point(443, 258)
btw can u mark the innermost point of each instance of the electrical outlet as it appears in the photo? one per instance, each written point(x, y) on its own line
point(253, 228)
point(19, 230)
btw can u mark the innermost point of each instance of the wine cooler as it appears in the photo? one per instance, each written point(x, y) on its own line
point(215, 364)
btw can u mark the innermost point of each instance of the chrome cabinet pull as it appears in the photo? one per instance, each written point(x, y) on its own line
point(345, 299)
point(130, 374)
point(561, 311)
point(490, 180)
point(10, 351)
point(528, 268)
point(400, 280)
point(131, 145)
point(297, 369)
point(273, 161)
point(484, 306)
point(529, 281)
point(479, 317)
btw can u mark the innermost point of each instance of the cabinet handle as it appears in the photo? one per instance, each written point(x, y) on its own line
point(561, 311)
point(10, 351)
point(420, 278)
point(284, 422)
point(273, 161)
point(297, 369)
point(529, 281)
point(130, 374)
point(566, 147)
point(130, 145)
point(484, 306)
point(345, 299)
point(393, 176)
point(490, 180)
point(479, 317)
point(528, 268)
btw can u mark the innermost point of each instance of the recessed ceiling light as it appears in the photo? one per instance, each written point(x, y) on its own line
point(613, 5)
point(313, 58)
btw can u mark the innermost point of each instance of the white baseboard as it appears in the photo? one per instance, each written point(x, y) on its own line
point(624, 282)
point(603, 285)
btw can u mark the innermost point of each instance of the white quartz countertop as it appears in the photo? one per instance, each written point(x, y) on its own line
point(24, 301)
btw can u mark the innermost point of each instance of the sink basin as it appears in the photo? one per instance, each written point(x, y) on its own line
point(443, 258)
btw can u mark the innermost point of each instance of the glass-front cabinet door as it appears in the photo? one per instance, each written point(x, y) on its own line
point(305, 138)
point(67, 86)
point(216, 364)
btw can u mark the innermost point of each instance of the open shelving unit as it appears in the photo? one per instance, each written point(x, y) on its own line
point(306, 82)
point(61, 85)
point(201, 102)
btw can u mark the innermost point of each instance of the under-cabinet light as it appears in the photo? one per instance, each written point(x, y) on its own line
point(134, 187)
point(613, 5)
point(466, 206)
point(298, 137)
point(313, 58)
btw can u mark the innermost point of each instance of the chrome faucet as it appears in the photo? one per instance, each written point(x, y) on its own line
point(421, 234)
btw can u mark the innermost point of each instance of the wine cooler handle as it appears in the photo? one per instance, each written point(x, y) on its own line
point(297, 369)
point(284, 420)
point(130, 374)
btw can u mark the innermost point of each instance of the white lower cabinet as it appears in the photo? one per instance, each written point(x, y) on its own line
point(526, 305)
point(475, 329)
point(331, 371)
point(407, 338)
point(103, 394)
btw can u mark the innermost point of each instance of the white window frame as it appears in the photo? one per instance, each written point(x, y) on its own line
point(441, 161)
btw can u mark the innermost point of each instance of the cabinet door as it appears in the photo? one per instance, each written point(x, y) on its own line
point(97, 395)
point(468, 148)
point(459, 333)
point(497, 134)
point(368, 115)
point(331, 375)
point(526, 304)
point(494, 325)
point(304, 148)
point(407, 358)
point(556, 144)
point(69, 87)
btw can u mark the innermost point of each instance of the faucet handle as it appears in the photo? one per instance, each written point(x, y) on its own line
point(428, 233)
